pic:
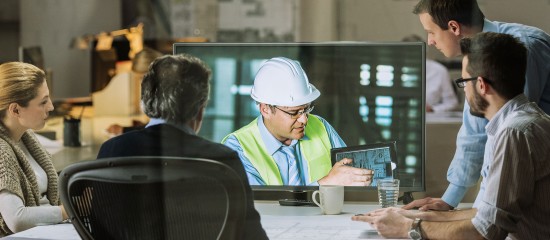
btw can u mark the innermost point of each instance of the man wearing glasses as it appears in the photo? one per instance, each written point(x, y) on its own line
point(286, 145)
point(446, 22)
point(513, 199)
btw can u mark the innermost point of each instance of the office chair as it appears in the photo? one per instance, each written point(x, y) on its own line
point(154, 198)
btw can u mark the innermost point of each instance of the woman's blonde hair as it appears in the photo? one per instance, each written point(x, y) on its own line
point(19, 83)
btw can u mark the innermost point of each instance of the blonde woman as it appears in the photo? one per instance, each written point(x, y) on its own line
point(28, 179)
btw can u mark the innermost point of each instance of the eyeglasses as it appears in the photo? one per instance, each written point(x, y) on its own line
point(461, 82)
point(297, 114)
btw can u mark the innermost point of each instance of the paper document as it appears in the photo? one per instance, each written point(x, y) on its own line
point(64, 231)
point(334, 227)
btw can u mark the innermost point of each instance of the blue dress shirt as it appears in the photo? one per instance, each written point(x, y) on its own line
point(274, 147)
point(465, 167)
point(155, 121)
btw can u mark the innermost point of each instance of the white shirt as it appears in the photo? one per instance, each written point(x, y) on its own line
point(17, 216)
point(440, 95)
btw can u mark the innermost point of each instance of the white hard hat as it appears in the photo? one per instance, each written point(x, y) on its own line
point(282, 82)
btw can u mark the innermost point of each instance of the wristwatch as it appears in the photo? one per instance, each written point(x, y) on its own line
point(415, 233)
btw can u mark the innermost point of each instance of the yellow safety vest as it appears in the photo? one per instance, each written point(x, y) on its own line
point(316, 151)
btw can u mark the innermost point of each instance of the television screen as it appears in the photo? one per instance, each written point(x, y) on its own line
point(370, 93)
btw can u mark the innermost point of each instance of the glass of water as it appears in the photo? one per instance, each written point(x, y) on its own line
point(388, 192)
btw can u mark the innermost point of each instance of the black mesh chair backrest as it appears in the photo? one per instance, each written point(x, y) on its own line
point(154, 198)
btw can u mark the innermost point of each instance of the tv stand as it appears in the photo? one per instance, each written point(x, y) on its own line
point(297, 198)
point(406, 198)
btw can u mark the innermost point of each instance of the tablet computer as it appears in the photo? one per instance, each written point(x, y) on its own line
point(376, 156)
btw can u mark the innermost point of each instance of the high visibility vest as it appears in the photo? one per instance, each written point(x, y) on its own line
point(315, 150)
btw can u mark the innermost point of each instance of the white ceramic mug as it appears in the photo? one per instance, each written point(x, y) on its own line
point(331, 198)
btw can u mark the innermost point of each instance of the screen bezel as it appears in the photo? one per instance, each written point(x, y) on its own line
point(268, 188)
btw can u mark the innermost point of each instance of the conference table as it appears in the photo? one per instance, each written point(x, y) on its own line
point(280, 222)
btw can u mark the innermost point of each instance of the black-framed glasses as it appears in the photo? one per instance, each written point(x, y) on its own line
point(461, 82)
point(297, 114)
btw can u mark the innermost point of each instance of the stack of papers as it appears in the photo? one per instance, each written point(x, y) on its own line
point(334, 227)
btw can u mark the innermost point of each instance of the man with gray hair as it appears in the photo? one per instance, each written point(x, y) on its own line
point(174, 94)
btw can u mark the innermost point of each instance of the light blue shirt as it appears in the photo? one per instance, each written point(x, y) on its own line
point(155, 121)
point(274, 148)
point(465, 167)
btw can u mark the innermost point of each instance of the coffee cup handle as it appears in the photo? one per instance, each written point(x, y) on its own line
point(314, 198)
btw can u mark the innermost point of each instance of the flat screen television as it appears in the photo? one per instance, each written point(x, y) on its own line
point(371, 92)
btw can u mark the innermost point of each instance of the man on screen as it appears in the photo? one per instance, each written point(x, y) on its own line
point(516, 165)
point(286, 145)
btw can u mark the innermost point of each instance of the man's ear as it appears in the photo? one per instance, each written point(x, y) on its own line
point(196, 122)
point(484, 87)
point(265, 110)
point(454, 26)
point(200, 114)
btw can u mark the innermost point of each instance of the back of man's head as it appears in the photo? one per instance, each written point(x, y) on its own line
point(175, 88)
point(465, 12)
point(142, 60)
point(498, 57)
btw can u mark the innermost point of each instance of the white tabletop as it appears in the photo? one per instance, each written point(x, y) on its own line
point(280, 223)
point(308, 222)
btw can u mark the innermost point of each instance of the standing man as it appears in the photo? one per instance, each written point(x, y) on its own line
point(446, 22)
point(286, 145)
point(516, 162)
point(440, 95)
point(174, 93)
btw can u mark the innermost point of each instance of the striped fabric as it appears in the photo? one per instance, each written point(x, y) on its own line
point(517, 175)
point(294, 178)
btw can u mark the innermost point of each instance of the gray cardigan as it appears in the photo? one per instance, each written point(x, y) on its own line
point(16, 174)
